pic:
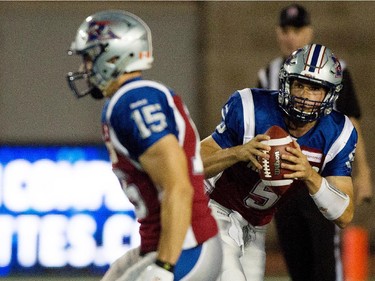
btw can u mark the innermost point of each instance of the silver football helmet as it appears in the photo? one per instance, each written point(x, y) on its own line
point(114, 42)
point(313, 64)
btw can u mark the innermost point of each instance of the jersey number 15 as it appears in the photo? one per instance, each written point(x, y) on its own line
point(149, 119)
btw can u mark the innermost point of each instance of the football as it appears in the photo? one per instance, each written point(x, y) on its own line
point(272, 174)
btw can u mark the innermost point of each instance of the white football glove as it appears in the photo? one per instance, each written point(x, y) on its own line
point(156, 273)
point(122, 264)
point(133, 273)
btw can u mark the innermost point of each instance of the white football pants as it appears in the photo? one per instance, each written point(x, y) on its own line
point(243, 246)
point(202, 262)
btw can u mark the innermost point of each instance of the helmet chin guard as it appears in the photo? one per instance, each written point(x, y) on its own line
point(315, 64)
point(89, 89)
point(114, 42)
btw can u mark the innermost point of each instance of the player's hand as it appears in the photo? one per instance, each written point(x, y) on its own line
point(253, 149)
point(155, 273)
point(298, 163)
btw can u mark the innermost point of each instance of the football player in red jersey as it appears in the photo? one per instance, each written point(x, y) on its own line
point(321, 163)
point(155, 152)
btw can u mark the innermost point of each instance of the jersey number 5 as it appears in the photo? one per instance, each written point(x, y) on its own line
point(261, 197)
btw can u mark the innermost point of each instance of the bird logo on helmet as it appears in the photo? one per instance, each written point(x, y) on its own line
point(338, 69)
point(100, 30)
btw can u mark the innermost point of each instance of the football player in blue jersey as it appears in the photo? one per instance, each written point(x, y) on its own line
point(155, 152)
point(321, 163)
point(295, 30)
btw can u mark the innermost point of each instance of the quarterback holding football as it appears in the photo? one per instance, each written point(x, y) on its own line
point(251, 168)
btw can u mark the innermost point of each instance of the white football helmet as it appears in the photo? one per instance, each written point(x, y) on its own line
point(115, 42)
point(316, 64)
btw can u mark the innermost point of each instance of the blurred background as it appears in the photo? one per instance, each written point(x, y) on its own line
point(58, 213)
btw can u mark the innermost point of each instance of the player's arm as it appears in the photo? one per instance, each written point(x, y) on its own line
point(215, 159)
point(333, 195)
point(345, 185)
point(166, 164)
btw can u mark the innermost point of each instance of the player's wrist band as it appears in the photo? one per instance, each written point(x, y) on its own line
point(165, 265)
point(331, 201)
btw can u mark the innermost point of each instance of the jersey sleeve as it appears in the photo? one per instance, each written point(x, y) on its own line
point(231, 129)
point(140, 118)
point(341, 164)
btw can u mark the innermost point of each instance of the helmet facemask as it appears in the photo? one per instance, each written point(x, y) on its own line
point(84, 82)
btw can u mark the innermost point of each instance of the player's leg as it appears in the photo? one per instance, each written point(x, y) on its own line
point(295, 237)
point(231, 268)
point(326, 251)
point(201, 263)
point(254, 256)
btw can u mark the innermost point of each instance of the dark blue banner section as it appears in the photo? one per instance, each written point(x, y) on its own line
point(61, 207)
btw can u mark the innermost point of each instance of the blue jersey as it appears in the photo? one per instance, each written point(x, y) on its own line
point(329, 147)
point(138, 115)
